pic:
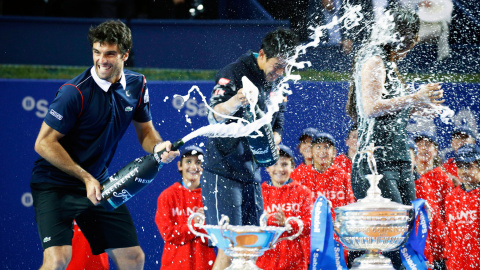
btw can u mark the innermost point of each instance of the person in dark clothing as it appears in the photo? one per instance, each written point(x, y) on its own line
point(380, 103)
point(231, 178)
point(76, 143)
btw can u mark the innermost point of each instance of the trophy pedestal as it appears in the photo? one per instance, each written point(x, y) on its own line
point(372, 261)
point(242, 264)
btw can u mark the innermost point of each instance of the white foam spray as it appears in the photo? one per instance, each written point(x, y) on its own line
point(242, 127)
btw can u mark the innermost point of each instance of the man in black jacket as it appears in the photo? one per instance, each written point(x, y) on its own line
point(231, 178)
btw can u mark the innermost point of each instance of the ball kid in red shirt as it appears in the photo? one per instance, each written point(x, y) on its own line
point(324, 177)
point(463, 212)
point(182, 249)
point(432, 186)
point(284, 198)
point(305, 148)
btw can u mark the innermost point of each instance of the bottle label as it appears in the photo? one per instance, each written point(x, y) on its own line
point(118, 198)
point(120, 182)
point(259, 151)
point(143, 181)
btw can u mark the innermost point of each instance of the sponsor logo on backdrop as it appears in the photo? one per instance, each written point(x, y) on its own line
point(40, 106)
point(191, 106)
point(27, 199)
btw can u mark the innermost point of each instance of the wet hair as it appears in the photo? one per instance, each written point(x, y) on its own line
point(111, 32)
point(406, 25)
point(279, 43)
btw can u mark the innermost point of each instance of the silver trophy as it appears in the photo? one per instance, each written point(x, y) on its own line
point(373, 224)
point(244, 243)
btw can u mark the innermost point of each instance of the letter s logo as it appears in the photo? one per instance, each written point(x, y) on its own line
point(42, 108)
point(29, 103)
point(192, 107)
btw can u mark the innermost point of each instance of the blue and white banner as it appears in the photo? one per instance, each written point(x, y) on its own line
point(412, 253)
point(326, 253)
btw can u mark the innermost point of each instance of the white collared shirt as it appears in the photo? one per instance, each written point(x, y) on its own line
point(104, 84)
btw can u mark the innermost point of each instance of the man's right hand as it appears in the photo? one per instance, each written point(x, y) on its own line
point(94, 192)
point(230, 106)
point(240, 98)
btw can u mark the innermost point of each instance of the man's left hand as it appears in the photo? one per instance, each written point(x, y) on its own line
point(168, 155)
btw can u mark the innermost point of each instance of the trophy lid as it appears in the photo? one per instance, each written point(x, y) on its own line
point(378, 203)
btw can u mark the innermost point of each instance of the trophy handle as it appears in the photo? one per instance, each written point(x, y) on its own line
point(288, 226)
point(224, 223)
point(190, 227)
point(264, 219)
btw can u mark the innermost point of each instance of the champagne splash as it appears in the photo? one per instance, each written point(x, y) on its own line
point(232, 130)
point(204, 99)
point(242, 127)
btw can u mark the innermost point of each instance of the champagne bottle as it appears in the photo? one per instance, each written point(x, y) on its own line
point(263, 147)
point(135, 176)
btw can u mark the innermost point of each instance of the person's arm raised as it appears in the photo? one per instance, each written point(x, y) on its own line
point(373, 80)
point(230, 106)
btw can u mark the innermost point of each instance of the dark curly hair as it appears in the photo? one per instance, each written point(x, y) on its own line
point(112, 32)
point(279, 43)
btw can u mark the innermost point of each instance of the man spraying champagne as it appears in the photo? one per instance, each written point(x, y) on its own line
point(76, 143)
point(231, 176)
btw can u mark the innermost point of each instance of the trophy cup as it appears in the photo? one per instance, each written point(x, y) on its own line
point(244, 243)
point(373, 224)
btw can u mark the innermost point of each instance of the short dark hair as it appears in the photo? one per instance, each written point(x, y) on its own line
point(111, 32)
point(279, 43)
